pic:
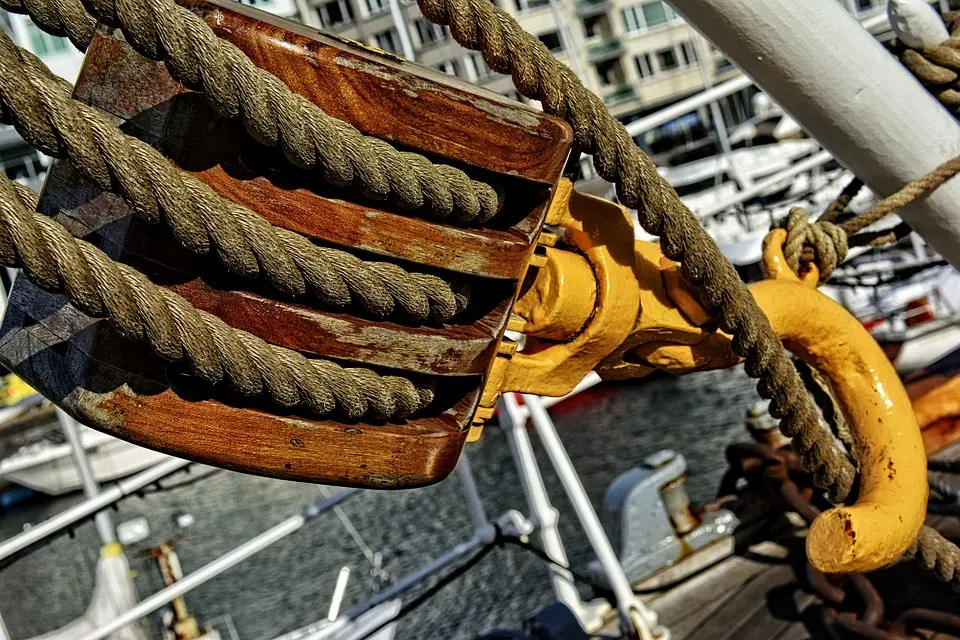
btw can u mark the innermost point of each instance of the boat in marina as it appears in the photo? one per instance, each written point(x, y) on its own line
point(201, 333)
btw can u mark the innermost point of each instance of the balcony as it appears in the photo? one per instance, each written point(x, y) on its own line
point(587, 8)
point(606, 50)
point(618, 95)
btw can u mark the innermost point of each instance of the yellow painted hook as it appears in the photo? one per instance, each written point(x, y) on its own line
point(891, 506)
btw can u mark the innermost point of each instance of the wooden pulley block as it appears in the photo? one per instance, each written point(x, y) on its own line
point(123, 388)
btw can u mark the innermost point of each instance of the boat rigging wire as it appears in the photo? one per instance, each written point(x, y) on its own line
point(437, 587)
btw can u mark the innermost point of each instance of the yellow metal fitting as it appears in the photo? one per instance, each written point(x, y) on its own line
point(562, 298)
point(600, 297)
point(775, 265)
point(892, 503)
point(646, 317)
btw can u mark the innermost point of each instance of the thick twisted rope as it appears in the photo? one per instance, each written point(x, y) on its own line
point(507, 48)
point(39, 105)
point(937, 554)
point(938, 67)
point(273, 114)
point(64, 18)
point(826, 244)
point(140, 310)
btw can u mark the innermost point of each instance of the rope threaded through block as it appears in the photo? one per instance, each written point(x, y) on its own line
point(176, 331)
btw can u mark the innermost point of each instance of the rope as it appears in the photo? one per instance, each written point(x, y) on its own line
point(507, 48)
point(822, 242)
point(838, 206)
point(819, 389)
point(39, 105)
point(272, 113)
point(177, 332)
point(63, 18)
point(937, 554)
point(826, 243)
point(937, 67)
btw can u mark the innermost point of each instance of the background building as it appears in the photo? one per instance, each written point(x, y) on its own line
point(638, 55)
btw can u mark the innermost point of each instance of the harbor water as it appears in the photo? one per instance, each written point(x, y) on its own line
point(606, 430)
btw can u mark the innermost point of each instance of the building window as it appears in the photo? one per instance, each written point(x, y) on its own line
point(527, 5)
point(552, 40)
point(373, 7)
point(593, 26)
point(335, 13)
point(43, 44)
point(449, 67)
point(480, 68)
point(388, 40)
point(723, 64)
point(645, 65)
point(429, 33)
point(657, 13)
point(667, 59)
point(647, 15)
point(610, 72)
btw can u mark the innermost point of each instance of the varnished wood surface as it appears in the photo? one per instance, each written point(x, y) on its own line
point(126, 392)
point(122, 388)
point(375, 92)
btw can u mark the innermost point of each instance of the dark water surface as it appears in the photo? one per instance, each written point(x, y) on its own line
point(606, 430)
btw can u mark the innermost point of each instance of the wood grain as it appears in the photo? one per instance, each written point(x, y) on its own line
point(122, 388)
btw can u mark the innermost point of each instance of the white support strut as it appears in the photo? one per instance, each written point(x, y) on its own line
point(842, 86)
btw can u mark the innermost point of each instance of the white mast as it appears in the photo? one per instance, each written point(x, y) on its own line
point(91, 489)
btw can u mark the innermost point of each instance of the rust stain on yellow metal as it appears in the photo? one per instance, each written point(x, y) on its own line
point(893, 487)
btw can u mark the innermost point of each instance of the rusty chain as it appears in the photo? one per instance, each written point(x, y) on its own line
point(777, 473)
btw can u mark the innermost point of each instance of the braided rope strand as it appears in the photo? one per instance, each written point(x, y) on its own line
point(272, 113)
point(40, 107)
point(827, 243)
point(507, 48)
point(937, 554)
point(176, 331)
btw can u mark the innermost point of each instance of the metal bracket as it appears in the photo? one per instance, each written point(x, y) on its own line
point(647, 516)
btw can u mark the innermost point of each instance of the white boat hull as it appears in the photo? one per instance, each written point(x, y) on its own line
point(51, 469)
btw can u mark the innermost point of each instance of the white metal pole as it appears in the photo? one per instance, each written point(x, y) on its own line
point(218, 566)
point(91, 489)
point(716, 114)
point(401, 25)
point(83, 510)
point(821, 66)
point(468, 486)
point(633, 614)
point(4, 634)
point(514, 423)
